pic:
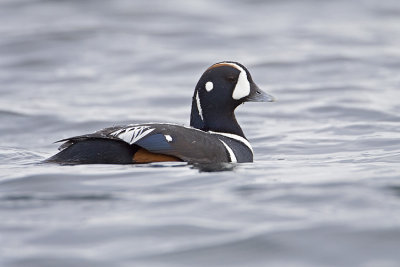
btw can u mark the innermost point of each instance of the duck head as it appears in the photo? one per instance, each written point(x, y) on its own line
point(220, 90)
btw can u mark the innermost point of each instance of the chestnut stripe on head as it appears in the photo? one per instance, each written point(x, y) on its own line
point(216, 65)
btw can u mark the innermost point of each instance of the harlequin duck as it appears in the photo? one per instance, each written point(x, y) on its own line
point(214, 135)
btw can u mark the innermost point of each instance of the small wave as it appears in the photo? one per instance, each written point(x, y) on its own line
point(361, 114)
point(9, 113)
point(10, 155)
point(59, 197)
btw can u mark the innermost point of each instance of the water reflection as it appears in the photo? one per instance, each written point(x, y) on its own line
point(214, 167)
point(395, 189)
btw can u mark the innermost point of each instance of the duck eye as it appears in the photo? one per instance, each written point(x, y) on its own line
point(231, 79)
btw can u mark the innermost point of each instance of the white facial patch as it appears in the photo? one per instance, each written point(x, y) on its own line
point(209, 86)
point(242, 88)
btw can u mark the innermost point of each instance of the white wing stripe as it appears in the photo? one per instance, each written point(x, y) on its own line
point(147, 131)
point(132, 134)
point(117, 132)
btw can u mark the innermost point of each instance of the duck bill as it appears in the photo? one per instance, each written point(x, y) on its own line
point(257, 95)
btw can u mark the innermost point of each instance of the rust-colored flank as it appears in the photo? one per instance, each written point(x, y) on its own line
point(144, 156)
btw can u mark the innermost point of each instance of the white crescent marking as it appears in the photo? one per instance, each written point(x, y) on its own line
point(236, 137)
point(230, 151)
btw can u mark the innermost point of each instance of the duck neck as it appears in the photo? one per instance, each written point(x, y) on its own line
point(213, 118)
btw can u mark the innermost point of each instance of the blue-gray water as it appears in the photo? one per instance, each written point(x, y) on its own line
point(325, 186)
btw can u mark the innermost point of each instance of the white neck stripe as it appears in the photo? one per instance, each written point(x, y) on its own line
point(199, 106)
point(236, 137)
point(232, 156)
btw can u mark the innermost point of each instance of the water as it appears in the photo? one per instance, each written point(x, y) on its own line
point(324, 189)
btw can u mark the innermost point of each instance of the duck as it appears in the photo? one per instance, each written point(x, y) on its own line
point(214, 135)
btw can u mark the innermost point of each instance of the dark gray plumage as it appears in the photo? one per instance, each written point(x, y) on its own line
point(214, 136)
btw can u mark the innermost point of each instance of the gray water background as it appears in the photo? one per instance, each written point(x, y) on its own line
point(324, 189)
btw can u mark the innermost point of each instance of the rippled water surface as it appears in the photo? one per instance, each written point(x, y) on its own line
point(324, 189)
